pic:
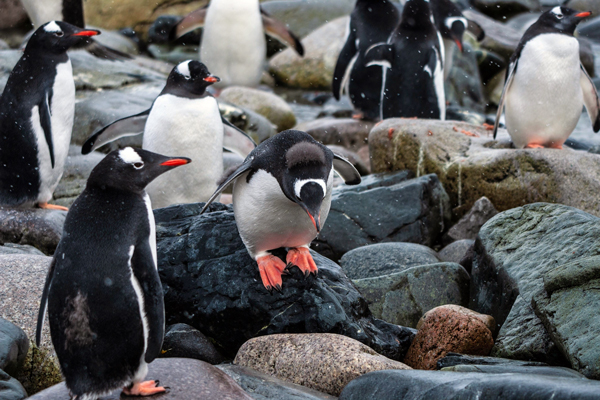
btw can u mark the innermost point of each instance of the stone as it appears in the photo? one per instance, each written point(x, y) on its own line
point(77, 170)
point(384, 208)
point(469, 225)
point(10, 388)
point(39, 228)
point(440, 385)
point(584, 5)
point(501, 8)
point(402, 298)
point(448, 329)
point(456, 251)
point(324, 362)
point(255, 125)
point(500, 38)
point(184, 341)
point(13, 347)
point(11, 248)
point(512, 369)
point(463, 86)
point(488, 320)
point(356, 160)
point(13, 14)
point(116, 40)
point(211, 283)
point(454, 359)
point(345, 132)
point(187, 379)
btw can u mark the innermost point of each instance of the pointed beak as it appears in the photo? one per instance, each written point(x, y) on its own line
point(176, 162)
point(212, 79)
point(316, 222)
point(87, 33)
point(584, 14)
point(459, 44)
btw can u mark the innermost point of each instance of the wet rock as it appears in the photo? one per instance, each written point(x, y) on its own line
point(403, 297)
point(13, 14)
point(448, 329)
point(10, 388)
point(469, 225)
point(116, 40)
point(463, 86)
point(212, 284)
point(500, 38)
point(512, 369)
point(11, 248)
point(255, 125)
point(39, 228)
point(590, 29)
point(456, 251)
point(182, 340)
point(346, 132)
point(323, 362)
point(77, 170)
point(13, 347)
point(356, 160)
point(501, 8)
point(584, 5)
point(454, 359)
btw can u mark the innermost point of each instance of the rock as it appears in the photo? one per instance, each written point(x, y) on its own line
point(115, 40)
point(439, 385)
point(589, 29)
point(463, 86)
point(584, 5)
point(314, 70)
point(77, 170)
point(187, 379)
point(269, 105)
point(182, 340)
point(403, 297)
point(471, 167)
point(456, 251)
point(10, 388)
point(501, 8)
point(255, 125)
point(512, 369)
point(448, 329)
point(323, 362)
point(212, 284)
point(13, 347)
point(500, 38)
point(384, 208)
point(469, 225)
point(356, 160)
point(39, 228)
point(454, 359)
point(13, 14)
point(488, 320)
point(346, 132)
point(385, 258)
point(11, 248)
point(267, 387)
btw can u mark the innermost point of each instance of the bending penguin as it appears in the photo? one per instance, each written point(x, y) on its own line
point(36, 116)
point(102, 293)
point(371, 22)
point(281, 198)
point(546, 86)
point(184, 119)
point(233, 42)
point(413, 65)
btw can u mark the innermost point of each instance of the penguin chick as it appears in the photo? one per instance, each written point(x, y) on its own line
point(103, 293)
point(281, 198)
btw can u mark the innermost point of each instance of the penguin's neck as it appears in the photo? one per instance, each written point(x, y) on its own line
point(416, 16)
point(179, 91)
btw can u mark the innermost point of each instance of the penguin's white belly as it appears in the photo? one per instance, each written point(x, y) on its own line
point(267, 220)
point(192, 128)
point(449, 50)
point(233, 43)
point(545, 100)
point(42, 11)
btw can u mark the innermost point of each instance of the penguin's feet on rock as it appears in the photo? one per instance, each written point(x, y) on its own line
point(535, 146)
point(300, 257)
point(556, 146)
point(358, 116)
point(47, 206)
point(147, 388)
point(271, 268)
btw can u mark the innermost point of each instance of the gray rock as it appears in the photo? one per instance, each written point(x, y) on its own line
point(173, 54)
point(12, 248)
point(500, 38)
point(469, 225)
point(362, 167)
point(463, 86)
point(456, 251)
point(39, 228)
point(182, 340)
point(77, 170)
point(584, 5)
point(501, 8)
point(13, 346)
point(453, 359)
point(255, 125)
point(346, 132)
point(13, 14)
point(513, 369)
point(10, 388)
point(402, 298)
point(115, 40)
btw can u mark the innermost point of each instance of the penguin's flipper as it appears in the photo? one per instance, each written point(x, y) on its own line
point(246, 166)
point(280, 32)
point(344, 64)
point(44, 303)
point(190, 22)
point(476, 30)
point(128, 126)
point(381, 54)
point(106, 53)
point(46, 121)
point(512, 68)
point(236, 140)
point(590, 98)
point(346, 170)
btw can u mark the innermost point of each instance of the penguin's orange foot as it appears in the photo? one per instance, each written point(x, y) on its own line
point(301, 258)
point(535, 146)
point(147, 388)
point(47, 206)
point(358, 116)
point(271, 268)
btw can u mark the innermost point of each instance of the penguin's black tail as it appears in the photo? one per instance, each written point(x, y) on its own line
point(107, 53)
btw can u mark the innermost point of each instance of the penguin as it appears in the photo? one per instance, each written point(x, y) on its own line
point(184, 119)
point(371, 22)
point(102, 293)
point(281, 198)
point(546, 85)
point(233, 43)
point(70, 11)
point(36, 116)
point(413, 65)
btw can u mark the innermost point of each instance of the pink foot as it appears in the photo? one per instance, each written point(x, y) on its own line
point(47, 206)
point(301, 258)
point(147, 388)
point(534, 146)
point(271, 268)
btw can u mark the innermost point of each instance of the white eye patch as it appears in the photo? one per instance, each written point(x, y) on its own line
point(52, 27)
point(299, 184)
point(450, 20)
point(184, 69)
point(130, 156)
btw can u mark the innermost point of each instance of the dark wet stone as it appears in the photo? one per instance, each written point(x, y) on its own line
point(182, 340)
point(39, 228)
point(13, 346)
point(469, 225)
point(456, 251)
point(503, 8)
point(10, 388)
point(513, 369)
point(453, 359)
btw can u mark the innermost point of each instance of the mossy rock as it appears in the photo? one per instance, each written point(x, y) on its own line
point(40, 370)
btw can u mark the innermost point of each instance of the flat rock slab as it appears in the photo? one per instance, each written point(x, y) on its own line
point(40, 228)
point(453, 359)
point(513, 369)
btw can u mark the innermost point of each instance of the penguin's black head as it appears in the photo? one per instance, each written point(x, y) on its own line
point(562, 19)
point(58, 37)
point(132, 169)
point(454, 28)
point(189, 77)
point(416, 14)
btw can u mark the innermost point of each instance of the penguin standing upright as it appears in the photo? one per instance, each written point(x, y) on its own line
point(36, 116)
point(371, 22)
point(233, 43)
point(413, 61)
point(546, 86)
point(103, 293)
point(281, 198)
point(184, 119)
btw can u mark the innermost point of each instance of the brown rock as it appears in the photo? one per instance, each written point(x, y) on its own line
point(13, 14)
point(322, 361)
point(346, 132)
point(39, 228)
point(446, 329)
point(356, 160)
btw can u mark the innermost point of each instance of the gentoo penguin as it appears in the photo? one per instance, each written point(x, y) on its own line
point(413, 63)
point(36, 116)
point(184, 119)
point(102, 293)
point(233, 43)
point(70, 11)
point(546, 85)
point(371, 22)
point(281, 198)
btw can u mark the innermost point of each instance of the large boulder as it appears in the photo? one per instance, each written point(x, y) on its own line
point(13, 346)
point(10, 388)
point(39, 228)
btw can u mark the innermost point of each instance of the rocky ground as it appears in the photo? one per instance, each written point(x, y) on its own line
point(459, 266)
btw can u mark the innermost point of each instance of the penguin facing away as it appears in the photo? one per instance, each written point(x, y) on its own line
point(371, 22)
point(37, 109)
point(233, 43)
point(184, 119)
point(546, 86)
point(103, 293)
point(281, 198)
point(413, 64)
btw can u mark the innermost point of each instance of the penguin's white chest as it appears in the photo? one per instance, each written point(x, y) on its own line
point(545, 100)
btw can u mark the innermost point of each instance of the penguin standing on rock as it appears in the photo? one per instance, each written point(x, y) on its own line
point(281, 198)
point(546, 86)
point(103, 293)
point(36, 116)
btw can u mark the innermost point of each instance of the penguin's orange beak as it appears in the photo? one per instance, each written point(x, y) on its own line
point(584, 14)
point(175, 162)
point(87, 33)
point(212, 79)
point(317, 222)
point(459, 44)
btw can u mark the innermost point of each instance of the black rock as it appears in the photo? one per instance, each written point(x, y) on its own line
point(160, 31)
point(13, 346)
point(10, 388)
point(182, 340)
point(514, 369)
point(452, 359)
point(212, 284)
point(40, 228)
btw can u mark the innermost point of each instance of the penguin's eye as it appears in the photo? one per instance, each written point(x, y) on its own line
point(138, 165)
point(59, 34)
